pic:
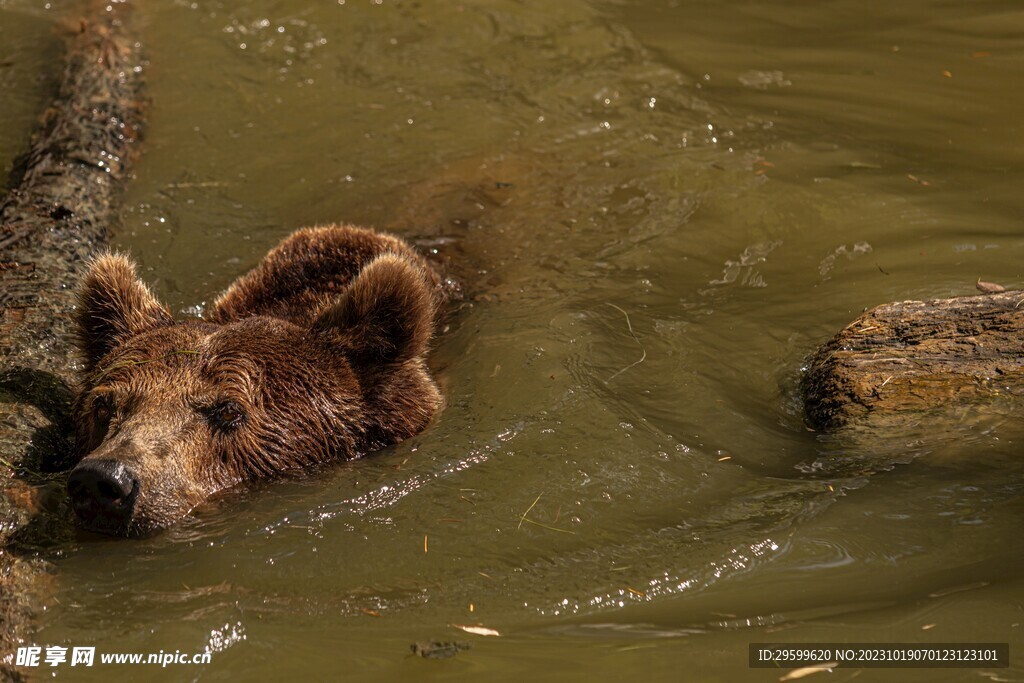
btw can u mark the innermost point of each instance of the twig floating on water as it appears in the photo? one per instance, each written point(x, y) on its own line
point(437, 650)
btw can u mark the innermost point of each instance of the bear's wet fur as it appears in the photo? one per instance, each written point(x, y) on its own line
point(317, 354)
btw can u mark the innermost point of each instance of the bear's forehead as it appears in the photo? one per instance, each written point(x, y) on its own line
point(209, 350)
point(252, 333)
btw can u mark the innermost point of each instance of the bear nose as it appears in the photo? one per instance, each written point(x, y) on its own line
point(102, 489)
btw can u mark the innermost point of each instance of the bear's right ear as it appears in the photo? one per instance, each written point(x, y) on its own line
point(385, 316)
point(114, 305)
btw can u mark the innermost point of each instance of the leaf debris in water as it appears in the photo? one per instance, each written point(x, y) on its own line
point(808, 670)
point(989, 287)
point(477, 629)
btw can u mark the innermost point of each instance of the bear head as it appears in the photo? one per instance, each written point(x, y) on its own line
point(171, 412)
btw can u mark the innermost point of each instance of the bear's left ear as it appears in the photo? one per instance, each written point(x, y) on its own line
point(385, 316)
point(114, 305)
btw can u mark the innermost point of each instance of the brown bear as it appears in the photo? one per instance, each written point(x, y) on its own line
point(316, 354)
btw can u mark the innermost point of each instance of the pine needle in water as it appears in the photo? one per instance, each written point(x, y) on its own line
point(523, 518)
point(551, 528)
point(629, 326)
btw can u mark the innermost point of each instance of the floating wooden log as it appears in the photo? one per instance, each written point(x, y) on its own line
point(913, 357)
point(53, 218)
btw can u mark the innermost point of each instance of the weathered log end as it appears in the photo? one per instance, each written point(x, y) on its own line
point(912, 357)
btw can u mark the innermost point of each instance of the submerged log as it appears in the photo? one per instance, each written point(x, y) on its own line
point(54, 216)
point(903, 359)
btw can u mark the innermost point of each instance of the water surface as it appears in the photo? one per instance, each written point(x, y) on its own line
point(657, 211)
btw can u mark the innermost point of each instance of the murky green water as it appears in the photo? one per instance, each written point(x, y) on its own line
point(698, 194)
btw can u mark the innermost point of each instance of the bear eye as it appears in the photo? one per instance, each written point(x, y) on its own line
point(102, 408)
point(227, 415)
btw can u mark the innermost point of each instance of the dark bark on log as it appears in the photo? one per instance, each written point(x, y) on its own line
point(52, 220)
point(908, 358)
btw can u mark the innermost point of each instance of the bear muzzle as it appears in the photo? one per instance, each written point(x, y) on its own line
point(103, 494)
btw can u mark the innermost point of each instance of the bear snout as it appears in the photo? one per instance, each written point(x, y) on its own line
point(103, 494)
